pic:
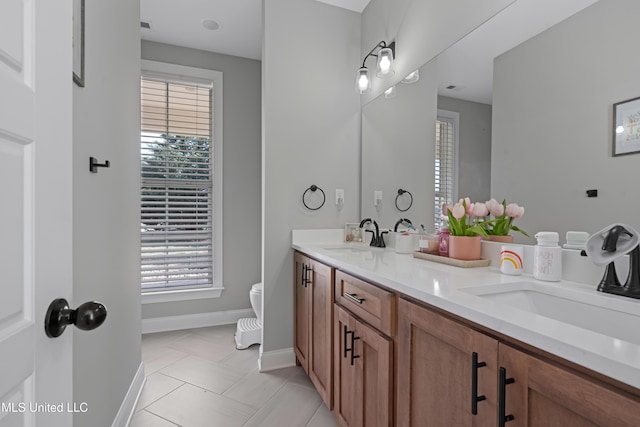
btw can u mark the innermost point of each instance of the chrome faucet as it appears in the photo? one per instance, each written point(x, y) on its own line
point(377, 239)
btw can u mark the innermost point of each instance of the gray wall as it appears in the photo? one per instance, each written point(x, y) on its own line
point(422, 29)
point(106, 229)
point(241, 180)
point(311, 129)
point(552, 122)
point(474, 149)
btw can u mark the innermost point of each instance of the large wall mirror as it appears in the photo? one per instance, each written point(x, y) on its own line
point(521, 126)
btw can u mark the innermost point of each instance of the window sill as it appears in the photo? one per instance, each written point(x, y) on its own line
point(181, 295)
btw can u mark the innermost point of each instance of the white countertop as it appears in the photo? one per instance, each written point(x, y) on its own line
point(440, 285)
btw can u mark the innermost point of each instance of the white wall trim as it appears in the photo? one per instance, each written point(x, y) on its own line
point(181, 295)
point(125, 413)
point(276, 359)
point(189, 321)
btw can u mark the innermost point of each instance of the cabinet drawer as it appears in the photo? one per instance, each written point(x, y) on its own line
point(372, 304)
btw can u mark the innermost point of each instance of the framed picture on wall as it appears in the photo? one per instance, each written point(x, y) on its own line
point(78, 42)
point(626, 127)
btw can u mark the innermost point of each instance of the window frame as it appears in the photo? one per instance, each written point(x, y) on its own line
point(452, 117)
point(183, 74)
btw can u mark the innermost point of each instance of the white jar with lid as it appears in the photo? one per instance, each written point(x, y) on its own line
point(547, 257)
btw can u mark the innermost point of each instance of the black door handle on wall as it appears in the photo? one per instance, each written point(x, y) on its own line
point(474, 383)
point(502, 390)
point(86, 317)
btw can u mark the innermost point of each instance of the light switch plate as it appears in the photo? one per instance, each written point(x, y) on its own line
point(377, 197)
point(339, 196)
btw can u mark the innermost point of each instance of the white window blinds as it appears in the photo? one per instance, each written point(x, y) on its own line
point(176, 185)
point(444, 165)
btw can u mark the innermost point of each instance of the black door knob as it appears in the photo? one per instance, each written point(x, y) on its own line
point(87, 316)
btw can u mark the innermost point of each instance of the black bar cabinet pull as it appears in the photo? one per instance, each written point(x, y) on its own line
point(354, 298)
point(304, 269)
point(474, 383)
point(502, 390)
point(353, 347)
point(306, 280)
point(344, 341)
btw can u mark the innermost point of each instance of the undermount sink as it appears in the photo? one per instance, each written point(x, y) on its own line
point(593, 311)
point(348, 250)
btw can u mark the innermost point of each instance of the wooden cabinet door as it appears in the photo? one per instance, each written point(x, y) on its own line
point(546, 395)
point(301, 310)
point(363, 373)
point(373, 354)
point(344, 374)
point(320, 328)
point(435, 371)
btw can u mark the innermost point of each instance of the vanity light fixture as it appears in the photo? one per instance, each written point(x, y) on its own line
point(384, 67)
point(391, 92)
point(412, 77)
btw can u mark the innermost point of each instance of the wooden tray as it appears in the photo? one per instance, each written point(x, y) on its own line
point(452, 261)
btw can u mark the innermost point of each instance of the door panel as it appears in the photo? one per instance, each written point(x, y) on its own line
point(320, 329)
point(375, 377)
point(544, 394)
point(17, 128)
point(35, 207)
point(435, 355)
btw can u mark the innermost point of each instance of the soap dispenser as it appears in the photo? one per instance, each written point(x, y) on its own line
point(547, 257)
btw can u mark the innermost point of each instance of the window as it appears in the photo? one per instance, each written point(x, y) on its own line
point(445, 163)
point(179, 209)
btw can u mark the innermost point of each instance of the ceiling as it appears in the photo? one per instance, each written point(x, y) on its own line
point(468, 65)
point(180, 22)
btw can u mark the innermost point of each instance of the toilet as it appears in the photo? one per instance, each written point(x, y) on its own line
point(249, 330)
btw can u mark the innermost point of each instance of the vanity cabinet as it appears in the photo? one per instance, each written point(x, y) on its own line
point(543, 394)
point(451, 374)
point(447, 372)
point(313, 322)
point(364, 323)
point(363, 373)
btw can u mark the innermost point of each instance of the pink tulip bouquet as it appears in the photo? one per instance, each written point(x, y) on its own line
point(503, 215)
point(468, 219)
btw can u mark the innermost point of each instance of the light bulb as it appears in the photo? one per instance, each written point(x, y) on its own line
point(363, 83)
point(385, 63)
point(620, 129)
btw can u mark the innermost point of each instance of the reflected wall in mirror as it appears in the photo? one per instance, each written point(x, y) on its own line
point(398, 136)
point(399, 151)
point(552, 122)
point(559, 68)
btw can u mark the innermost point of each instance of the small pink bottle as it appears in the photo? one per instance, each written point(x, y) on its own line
point(443, 241)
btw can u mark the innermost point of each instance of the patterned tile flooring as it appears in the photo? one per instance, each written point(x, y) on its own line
point(196, 377)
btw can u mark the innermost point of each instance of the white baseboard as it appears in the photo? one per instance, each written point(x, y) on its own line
point(278, 359)
point(189, 321)
point(125, 413)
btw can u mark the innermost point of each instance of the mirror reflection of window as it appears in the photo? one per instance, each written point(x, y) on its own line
point(444, 168)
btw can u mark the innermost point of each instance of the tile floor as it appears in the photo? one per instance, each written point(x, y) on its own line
point(196, 377)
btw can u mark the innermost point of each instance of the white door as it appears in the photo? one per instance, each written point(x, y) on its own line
point(35, 210)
